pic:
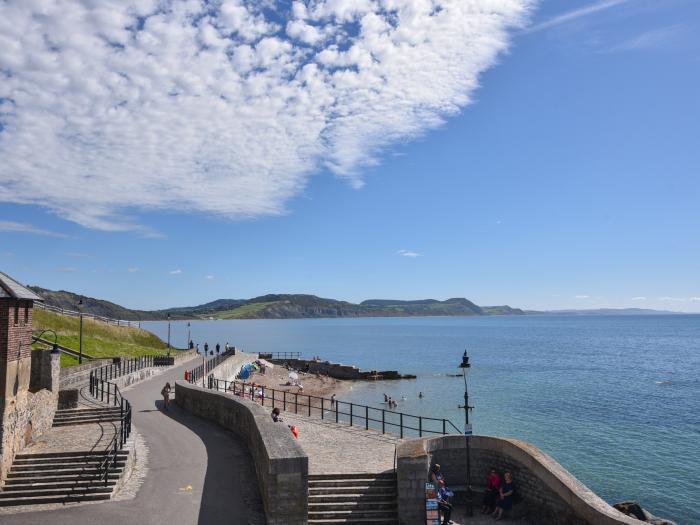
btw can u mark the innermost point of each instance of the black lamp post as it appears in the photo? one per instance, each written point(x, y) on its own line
point(467, 431)
point(80, 344)
point(54, 348)
point(168, 335)
point(189, 338)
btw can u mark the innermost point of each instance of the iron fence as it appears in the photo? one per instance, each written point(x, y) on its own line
point(197, 373)
point(386, 421)
point(280, 356)
point(109, 393)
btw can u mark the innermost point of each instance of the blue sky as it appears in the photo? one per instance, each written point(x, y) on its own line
point(567, 179)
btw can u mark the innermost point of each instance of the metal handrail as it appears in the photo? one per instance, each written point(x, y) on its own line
point(279, 356)
point(342, 411)
point(98, 387)
point(198, 372)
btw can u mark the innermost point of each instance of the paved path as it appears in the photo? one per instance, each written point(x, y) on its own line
point(339, 448)
point(198, 473)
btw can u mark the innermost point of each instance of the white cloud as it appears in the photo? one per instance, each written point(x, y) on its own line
point(209, 277)
point(20, 227)
point(575, 14)
point(672, 299)
point(409, 253)
point(133, 269)
point(582, 296)
point(695, 299)
point(176, 272)
point(639, 298)
point(112, 108)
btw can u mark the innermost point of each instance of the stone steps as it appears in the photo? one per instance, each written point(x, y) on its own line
point(353, 498)
point(56, 477)
point(76, 416)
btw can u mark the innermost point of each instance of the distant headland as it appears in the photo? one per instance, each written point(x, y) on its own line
point(304, 306)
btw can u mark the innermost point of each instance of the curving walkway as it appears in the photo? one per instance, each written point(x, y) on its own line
point(197, 473)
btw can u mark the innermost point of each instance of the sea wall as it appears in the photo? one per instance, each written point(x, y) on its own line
point(339, 370)
point(232, 365)
point(551, 495)
point(281, 464)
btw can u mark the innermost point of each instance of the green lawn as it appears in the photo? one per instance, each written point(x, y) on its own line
point(99, 339)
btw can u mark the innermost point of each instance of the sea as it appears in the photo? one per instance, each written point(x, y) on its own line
point(614, 399)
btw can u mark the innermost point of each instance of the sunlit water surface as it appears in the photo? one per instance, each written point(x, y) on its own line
point(614, 399)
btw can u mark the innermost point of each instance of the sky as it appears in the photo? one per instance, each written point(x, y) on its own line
point(538, 154)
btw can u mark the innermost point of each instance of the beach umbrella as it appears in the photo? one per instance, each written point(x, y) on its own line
point(293, 376)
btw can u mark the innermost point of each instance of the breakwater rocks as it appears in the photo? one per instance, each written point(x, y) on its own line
point(337, 370)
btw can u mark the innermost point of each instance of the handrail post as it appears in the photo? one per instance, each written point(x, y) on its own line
point(420, 426)
point(321, 408)
point(336, 410)
point(296, 402)
point(383, 421)
point(308, 399)
point(285, 401)
point(351, 414)
point(444, 430)
point(401, 422)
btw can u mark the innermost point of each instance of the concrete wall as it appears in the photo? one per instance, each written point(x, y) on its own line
point(339, 370)
point(79, 374)
point(232, 365)
point(551, 495)
point(281, 465)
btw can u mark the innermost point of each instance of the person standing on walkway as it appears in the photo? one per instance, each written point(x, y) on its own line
point(197, 348)
point(218, 348)
point(166, 395)
point(332, 401)
point(206, 348)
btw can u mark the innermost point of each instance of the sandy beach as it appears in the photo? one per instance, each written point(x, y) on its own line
point(310, 384)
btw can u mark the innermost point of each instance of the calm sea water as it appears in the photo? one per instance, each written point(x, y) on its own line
point(614, 399)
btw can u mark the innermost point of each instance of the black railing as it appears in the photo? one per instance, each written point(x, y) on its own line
point(280, 356)
point(197, 373)
point(109, 393)
point(122, 367)
point(386, 421)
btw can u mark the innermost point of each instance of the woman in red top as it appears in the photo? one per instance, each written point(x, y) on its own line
point(491, 494)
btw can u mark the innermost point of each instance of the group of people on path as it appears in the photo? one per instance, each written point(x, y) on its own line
point(217, 348)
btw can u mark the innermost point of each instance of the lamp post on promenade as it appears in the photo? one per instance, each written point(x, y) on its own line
point(467, 431)
point(80, 339)
point(189, 338)
point(168, 335)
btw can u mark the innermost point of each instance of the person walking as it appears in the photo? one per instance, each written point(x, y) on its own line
point(332, 401)
point(166, 395)
point(218, 348)
point(206, 348)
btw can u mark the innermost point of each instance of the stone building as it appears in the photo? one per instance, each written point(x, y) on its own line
point(28, 378)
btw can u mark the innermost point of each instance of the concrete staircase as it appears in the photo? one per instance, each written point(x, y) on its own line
point(77, 416)
point(59, 477)
point(353, 498)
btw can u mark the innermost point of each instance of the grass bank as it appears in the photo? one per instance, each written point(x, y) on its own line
point(99, 339)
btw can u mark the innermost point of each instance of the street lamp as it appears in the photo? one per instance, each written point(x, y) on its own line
point(80, 344)
point(189, 338)
point(467, 431)
point(54, 348)
point(168, 335)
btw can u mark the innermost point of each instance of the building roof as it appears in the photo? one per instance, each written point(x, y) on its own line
point(11, 288)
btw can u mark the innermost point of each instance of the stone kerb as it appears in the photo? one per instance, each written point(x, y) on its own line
point(551, 495)
point(281, 464)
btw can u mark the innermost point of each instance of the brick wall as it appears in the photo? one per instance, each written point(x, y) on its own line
point(15, 328)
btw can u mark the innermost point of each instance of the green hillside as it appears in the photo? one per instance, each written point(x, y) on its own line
point(99, 339)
